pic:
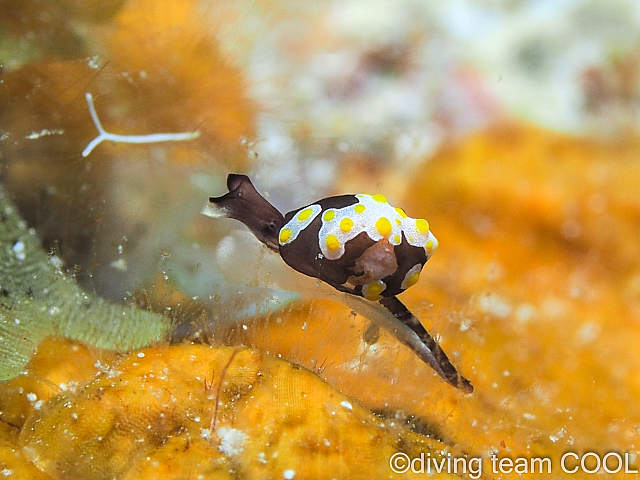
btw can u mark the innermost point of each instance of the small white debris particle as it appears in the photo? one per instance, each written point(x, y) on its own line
point(94, 62)
point(32, 397)
point(140, 354)
point(588, 332)
point(495, 305)
point(529, 416)
point(559, 434)
point(244, 327)
point(43, 133)
point(54, 311)
point(262, 458)
point(346, 404)
point(231, 441)
point(55, 260)
point(119, 264)
point(289, 474)
point(7, 472)
point(525, 312)
point(18, 249)
point(38, 404)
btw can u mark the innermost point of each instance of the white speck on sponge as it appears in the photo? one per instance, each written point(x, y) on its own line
point(231, 441)
point(346, 404)
point(289, 474)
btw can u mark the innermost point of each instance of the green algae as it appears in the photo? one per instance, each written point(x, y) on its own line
point(38, 299)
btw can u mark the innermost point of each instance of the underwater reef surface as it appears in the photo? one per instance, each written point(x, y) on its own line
point(534, 291)
point(193, 411)
point(536, 296)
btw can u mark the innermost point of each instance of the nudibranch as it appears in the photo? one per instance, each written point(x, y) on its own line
point(358, 244)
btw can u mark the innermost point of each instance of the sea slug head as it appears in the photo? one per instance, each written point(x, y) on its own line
point(245, 204)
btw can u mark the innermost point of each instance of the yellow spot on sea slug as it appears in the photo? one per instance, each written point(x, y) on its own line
point(384, 226)
point(422, 225)
point(304, 214)
point(285, 233)
point(373, 290)
point(401, 212)
point(346, 224)
point(396, 239)
point(359, 208)
point(413, 279)
point(398, 222)
point(429, 247)
point(332, 242)
point(380, 198)
point(329, 215)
